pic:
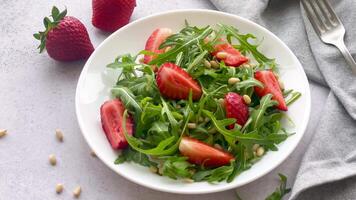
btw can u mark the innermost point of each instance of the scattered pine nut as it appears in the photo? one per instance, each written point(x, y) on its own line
point(214, 64)
point(188, 180)
point(255, 146)
point(281, 84)
point(52, 159)
point(59, 135)
point(153, 169)
point(201, 119)
point(247, 99)
point(77, 191)
point(92, 153)
point(192, 125)
point(207, 64)
point(260, 151)
point(59, 188)
point(3, 132)
point(221, 55)
point(233, 80)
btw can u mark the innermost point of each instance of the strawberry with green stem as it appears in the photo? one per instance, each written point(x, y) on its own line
point(65, 37)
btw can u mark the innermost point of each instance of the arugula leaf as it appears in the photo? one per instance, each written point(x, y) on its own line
point(177, 167)
point(281, 191)
point(166, 147)
point(295, 96)
point(246, 46)
point(129, 154)
point(257, 115)
point(127, 98)
point(215, 175)
point(236, 135)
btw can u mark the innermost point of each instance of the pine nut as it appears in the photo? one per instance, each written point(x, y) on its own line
point(281, 84)
point(247, 99)
point(188, 180)
point(260, 151)
point(207, 64)
point(153, 169)
point(192, 125)
point(59, 188)
point(52, 159)
point(221, 55)
point(217, 146)
point(214, 64)
point(255, 146)
point(201, 119)
point(3, 132)
point(167, 49)
point(59, 135)
point(160, 170)
point(141, 60)
point(206, 119)
point(233, 80)
point(77, 191)
point(222, 102)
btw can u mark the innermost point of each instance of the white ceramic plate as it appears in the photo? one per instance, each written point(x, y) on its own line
point(95, 82)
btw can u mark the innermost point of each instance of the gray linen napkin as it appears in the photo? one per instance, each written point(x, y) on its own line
point(328, 169)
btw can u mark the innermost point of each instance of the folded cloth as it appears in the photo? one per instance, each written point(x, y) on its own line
point(328, 169)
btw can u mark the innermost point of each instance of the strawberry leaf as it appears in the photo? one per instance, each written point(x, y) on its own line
point(55, 13)
point(49, 25)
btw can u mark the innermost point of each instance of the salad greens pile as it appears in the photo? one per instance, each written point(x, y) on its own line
point(160, 123)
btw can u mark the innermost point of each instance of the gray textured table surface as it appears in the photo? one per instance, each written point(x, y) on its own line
point(37, 96)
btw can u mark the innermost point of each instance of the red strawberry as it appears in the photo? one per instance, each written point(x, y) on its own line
point(271, 86)
point(175, 83)
point(110, 15)
point(203, 154)
point(233, 56)
point(111, 120)
point(236, 108)
point(154, 41)
point(65, 38)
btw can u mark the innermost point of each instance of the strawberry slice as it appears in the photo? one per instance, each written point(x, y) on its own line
point(203, 154)
point(271, 86)
point(175, 83)
point(154, 41)
point(111, 120)
point(236, 108)
point(233, 57)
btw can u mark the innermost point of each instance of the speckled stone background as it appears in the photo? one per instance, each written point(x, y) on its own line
point(37, 96)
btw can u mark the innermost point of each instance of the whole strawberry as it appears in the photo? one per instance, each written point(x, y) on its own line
point(65, 37)
point(110, 15)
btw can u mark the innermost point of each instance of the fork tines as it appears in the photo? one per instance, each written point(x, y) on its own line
point(322, 15)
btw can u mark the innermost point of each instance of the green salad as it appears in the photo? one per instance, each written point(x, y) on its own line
point(202, 104)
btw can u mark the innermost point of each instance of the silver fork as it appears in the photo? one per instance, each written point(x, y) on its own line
point(328, 26)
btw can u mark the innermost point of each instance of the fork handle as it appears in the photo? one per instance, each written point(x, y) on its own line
point(347, 55)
